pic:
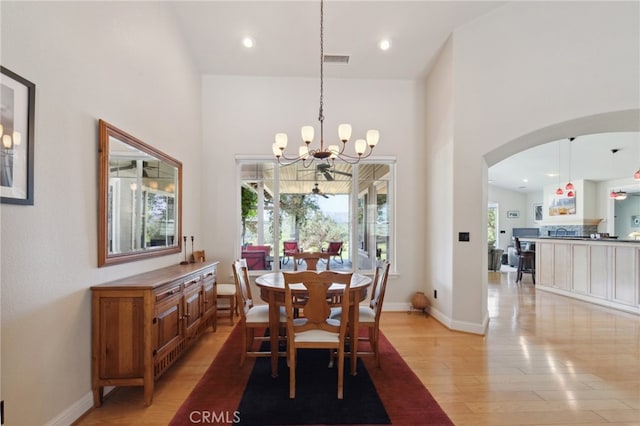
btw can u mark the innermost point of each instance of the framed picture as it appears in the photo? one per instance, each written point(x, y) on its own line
point(512, 214)
point(537, 212)
point(17, 111)
point(635, 221)
point(562, 205)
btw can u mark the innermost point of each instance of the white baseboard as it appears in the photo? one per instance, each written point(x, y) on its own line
point(76, 410)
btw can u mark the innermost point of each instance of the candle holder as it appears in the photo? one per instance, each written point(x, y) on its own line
point(192, 259)
point(184, 262)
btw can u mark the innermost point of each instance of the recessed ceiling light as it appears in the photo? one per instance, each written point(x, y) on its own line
point(248, 42)
point(552, 174)
point(385, 44)
point(525, 180)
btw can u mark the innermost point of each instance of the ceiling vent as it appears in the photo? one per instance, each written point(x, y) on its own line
point(336, 59)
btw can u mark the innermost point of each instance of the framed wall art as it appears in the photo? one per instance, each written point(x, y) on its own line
point(17, 111)
point(537, 212)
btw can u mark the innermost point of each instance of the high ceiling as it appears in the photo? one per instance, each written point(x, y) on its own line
point(287, 35)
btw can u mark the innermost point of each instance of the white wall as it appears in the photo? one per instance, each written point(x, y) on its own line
point(439, 233)
point(508, 200)
point(124, 62)
point(519, 73)
point(242, 115)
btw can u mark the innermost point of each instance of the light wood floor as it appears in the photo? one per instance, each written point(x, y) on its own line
point(546, 360)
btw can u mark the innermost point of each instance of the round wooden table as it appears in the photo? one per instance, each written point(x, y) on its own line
point(272, 291)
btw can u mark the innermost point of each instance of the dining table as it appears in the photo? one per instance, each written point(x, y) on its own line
point(272, 292)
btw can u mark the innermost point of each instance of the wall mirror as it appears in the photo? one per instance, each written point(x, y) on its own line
point(139, 200)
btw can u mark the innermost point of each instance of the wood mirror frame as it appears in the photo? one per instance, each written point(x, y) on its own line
point(136, 177)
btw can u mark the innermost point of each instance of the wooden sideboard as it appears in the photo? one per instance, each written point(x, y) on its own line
point(141, 324)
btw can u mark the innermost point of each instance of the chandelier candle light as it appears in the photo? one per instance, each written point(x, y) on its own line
point(306, 154)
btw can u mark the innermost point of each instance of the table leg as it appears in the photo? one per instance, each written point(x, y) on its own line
point(354, 317)
point(274, 329)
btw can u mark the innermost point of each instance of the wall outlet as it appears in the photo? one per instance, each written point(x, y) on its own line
point(435, 294)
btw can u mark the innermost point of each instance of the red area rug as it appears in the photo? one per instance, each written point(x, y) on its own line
point(217, 396)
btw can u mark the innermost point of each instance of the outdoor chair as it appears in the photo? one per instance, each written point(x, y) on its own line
point(335, 250)
point(315, 329)
point(288, 249)
point(256, 260)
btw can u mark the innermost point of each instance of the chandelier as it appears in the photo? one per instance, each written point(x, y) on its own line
point(306, 153)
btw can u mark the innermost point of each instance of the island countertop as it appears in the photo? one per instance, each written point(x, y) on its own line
point(602, 271)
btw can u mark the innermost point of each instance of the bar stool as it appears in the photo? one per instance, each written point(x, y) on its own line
point(526, 262)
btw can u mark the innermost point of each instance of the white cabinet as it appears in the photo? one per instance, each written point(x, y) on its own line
point(625, 275)
point(603, 272)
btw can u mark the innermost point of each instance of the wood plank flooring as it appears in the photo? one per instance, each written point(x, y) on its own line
point(546, 360)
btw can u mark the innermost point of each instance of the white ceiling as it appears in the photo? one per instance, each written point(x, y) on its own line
point(588, 157)
point(287, 37)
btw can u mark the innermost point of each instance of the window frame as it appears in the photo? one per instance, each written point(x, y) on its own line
point(354, 249)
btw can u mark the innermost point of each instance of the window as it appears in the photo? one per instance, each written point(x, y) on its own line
point(347, 205)
point(492, 224)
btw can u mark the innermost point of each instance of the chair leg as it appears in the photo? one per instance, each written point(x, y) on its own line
point(340, 372)
point(292, 374)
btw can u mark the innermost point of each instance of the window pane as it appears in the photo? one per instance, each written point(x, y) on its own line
point(373, 214)
point(314, 210)
point(257, 215)
point(313, 213)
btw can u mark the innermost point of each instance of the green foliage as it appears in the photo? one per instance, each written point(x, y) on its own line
point(249, 206)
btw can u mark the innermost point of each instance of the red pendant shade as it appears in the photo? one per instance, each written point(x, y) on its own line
point(559, 191)
point(636, 175)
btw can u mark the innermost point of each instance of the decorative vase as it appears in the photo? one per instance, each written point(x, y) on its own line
point(419, 301)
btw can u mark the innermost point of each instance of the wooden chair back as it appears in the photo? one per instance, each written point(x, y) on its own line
point(243, 289)
point(311, 259)
point(379, 288)
point(198, 256)
point(316, 310)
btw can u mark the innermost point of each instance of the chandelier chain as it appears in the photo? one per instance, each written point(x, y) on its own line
point(321, 112)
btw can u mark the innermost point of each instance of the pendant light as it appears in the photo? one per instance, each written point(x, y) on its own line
point(559, 191)
point(620, 194)
point(569, 186)
point(636, 175)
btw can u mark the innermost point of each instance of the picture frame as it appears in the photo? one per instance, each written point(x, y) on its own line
point(513, 214)
point(17, 115)
point(537, 212)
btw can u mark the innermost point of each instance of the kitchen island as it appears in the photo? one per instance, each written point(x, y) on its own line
point(604, 271)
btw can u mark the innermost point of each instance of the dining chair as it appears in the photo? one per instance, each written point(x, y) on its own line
point(311, 259)
point(369, 316)
point(225, 293)
point(315, 329)
point(253, 317)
